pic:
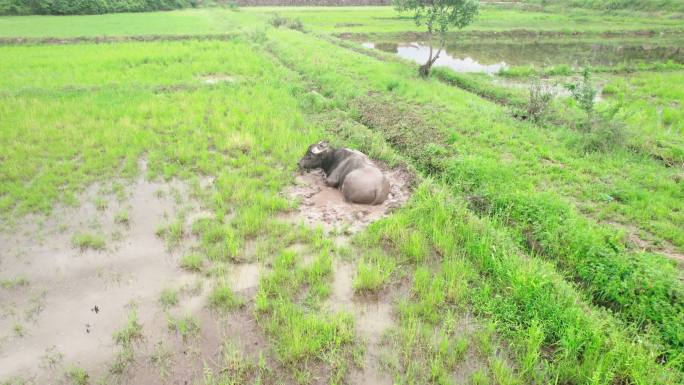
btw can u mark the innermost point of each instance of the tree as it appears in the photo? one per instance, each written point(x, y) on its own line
point(438, 16)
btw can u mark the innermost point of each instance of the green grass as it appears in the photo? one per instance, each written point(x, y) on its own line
point(190, 21)
point(502, 256)
point(77, 376)
point(301, 336)
point(373, 273)
point(546, 221)
point(168, 298)
point(187, 326)
point(131, 332)
point(386, 19)
point(86, 241)
point(11, 283)
point(329, 20)
point(126, 339)
point(19, 330)
point(223, 298)
point(122, 217)
point(192, 262)
point(652, 110)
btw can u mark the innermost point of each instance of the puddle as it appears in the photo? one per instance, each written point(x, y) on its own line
point(556, 88)
point(491, 56)
point(419, 53)
point(325, 206)
point(78, 299)
point(244, 276)
point(372, 317)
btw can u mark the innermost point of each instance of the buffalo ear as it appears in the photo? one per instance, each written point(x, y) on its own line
point(319, 147)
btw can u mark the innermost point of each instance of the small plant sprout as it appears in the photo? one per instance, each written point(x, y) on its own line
point(122, 217)
point(86, 241)
point(77, 376)
point(584, 92)
point(168, 298)
point(101, 204)
point(223, 298)
point(11, 283)
point(192, 262)
point(186, 327)
point(19, 330)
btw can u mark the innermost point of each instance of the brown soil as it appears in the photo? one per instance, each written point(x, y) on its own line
point(325, 206)
point(641, 240)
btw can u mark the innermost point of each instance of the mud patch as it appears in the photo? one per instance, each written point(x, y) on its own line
point(639, 239)
point(372, 318)
point(75, 299)
point(224, 344)
point(244, 277)
point(325, 206)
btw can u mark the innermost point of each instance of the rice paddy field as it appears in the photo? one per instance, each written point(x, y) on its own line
point(155, 228)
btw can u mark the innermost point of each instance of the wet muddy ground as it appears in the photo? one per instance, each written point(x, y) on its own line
point(73, 298)
point(62, 303)
point(321, 205)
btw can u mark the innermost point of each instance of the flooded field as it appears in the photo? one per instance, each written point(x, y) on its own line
point(493, 56)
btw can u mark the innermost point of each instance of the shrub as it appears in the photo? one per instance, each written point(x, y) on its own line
point(281, 21)
point(603, 136)
point(584, 92)
point(541, 96)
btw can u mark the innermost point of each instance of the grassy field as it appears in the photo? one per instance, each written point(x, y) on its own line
point(531, 252)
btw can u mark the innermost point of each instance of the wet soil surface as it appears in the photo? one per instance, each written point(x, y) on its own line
point(372, 318)
point(641, 240)
point(60, 305)
point(72, 301)
point(326, 206)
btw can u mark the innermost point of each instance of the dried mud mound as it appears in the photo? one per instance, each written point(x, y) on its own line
point(325, 206)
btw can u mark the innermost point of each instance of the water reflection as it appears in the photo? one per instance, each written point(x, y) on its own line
point(491, 56)
point(419, 53)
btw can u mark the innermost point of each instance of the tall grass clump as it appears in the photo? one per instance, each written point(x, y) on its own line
point(287, 22)
point(553, 328)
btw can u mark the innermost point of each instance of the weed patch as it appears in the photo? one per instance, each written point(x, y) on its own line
point(223, 298)
point(88, 241)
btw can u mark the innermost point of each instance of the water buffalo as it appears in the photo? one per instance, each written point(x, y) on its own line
point(360, 180)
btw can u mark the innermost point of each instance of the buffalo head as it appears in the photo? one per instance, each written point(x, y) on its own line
point(314, 155)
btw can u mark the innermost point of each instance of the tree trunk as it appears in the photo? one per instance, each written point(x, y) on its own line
point(424, 70)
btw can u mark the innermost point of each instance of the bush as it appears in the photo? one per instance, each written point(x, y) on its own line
point(14, 7)
point(541, 95)
point(281, 21)
point(603, 136)
point(584, 92)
